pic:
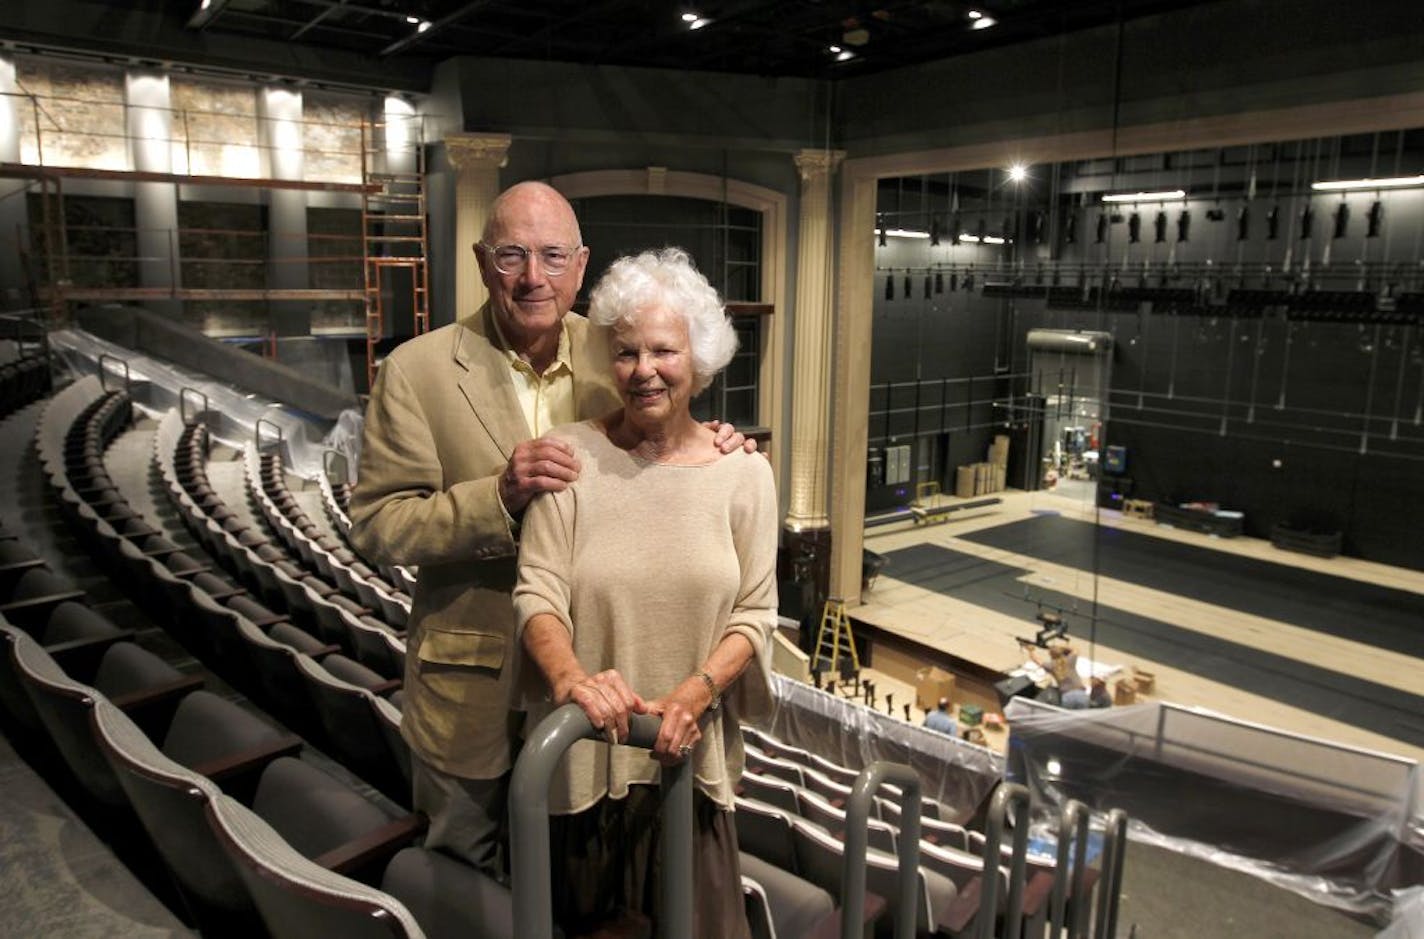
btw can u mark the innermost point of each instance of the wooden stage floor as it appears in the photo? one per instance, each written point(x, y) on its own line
point(914, 619)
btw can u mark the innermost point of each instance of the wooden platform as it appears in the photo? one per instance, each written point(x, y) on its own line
point(911, 627)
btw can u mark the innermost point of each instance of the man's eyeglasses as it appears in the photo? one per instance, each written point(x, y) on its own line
point(513, 259)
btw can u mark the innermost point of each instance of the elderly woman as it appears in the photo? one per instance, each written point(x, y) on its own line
point(648, 586)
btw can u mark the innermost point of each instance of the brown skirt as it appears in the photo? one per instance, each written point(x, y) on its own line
point(606, 862)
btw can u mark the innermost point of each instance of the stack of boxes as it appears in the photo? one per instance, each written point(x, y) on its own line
point(981, 479)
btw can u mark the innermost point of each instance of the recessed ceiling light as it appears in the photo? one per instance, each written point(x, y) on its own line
point(984, 22)
point(975, 15)
point(424, 25)
point(845, 55)
point(412, 20)
point(698, 22)
point(689, 17)
point(834, 49)
point(1018, 172)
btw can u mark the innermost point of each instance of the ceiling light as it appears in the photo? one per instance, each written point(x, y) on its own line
point(983, 22)
point(1396, 182)
point(690, 17)
point(1144, 196)
point(412, 20)
point(975, 15)
point(1018, 172)
point(833, 49)
point(993, 240)
point(698, 22)
point(845, 55)
point(424, 25)
point(906, 233)
point(972, 239)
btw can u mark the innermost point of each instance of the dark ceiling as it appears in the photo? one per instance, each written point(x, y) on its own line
point(808, 38)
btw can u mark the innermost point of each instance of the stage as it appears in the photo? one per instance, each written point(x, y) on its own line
point(1328, 647)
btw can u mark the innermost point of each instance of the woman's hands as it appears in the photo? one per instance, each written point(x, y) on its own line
point(607, 700)
point(680, 710)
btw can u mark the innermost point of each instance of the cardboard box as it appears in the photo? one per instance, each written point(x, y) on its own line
point(971, 715)
point(964, 482)
point(931, 684)
point(999, 451)
point(1144, 680)
point(1125, 692)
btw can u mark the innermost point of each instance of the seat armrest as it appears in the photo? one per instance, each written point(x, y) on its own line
point(388, 687)
point(961, 912)
point(1036, 892)
point(152, 708)
point(829, 926)
point(80, 657)
point(374, 846)
point(230, 770)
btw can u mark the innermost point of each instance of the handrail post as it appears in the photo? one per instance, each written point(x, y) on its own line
point(1016, 795)
point(1072, 837)
point(257, 431)
point(105, 356)
point(907, 847)
point(529, 824)
point(183, 394)
point(1110, 882)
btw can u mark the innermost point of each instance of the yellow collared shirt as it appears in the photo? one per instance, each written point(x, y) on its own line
point(548, 399)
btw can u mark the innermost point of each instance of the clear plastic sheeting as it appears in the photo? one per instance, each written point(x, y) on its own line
point(1408, 919)
point(1337, 824)
point(953, 771)
point(232, 415)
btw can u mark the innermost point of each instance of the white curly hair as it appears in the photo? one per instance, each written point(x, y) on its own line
point(667, 279)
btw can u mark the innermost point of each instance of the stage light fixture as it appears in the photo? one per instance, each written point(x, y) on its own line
point(927, 286)
point(889, 286)
point(1342, 220)
point(1070, 228)
point(907, 283)
point(1184, 225)
point(880, 232)
point(1273, 223)
point(1134, 228)
point(939, 281)
point(1374, 219)
point(1159, 227)
point(934, 232)
point(1101, 234)
point(1163, 196)
point(1344, 185)
point(1307, 222)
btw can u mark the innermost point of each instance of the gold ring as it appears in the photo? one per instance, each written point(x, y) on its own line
point(685, 750)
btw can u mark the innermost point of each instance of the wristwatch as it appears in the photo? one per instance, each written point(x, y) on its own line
point(712, 690)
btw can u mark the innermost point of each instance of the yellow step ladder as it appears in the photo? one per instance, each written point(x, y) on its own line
point(835, 637)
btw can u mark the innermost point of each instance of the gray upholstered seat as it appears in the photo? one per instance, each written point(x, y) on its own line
point(296, 898)
point(795, 905)
point(449, 899)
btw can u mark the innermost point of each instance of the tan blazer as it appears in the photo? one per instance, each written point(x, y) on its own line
point(441, 424)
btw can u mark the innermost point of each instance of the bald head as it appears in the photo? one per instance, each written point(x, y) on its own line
point(520, 203)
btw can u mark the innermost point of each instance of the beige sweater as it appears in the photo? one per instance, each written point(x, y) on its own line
point(650, 565)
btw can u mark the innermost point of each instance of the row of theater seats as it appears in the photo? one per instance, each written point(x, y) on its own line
point(24, 376)
point(256, 838)
point(336, 681)
point(320, 552)
point(791, 813)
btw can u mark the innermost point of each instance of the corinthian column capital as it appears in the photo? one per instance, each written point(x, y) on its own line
point(477, 151)
point(817, 165)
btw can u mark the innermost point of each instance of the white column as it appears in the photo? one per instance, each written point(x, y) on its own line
point(477, 159)
point(149, 123)
point(280, 112)
point(811, 369)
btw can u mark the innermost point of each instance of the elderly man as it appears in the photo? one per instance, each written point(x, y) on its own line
point(942, 719)
point(451, 455)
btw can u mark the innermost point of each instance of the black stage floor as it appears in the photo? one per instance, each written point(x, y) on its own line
point(1337, 606)
point(1330, 694)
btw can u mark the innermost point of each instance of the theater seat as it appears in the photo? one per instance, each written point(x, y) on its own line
point(449, 898)
point(796, 906)
point(296, 898)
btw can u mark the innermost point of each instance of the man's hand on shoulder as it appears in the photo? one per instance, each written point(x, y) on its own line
point(543, 465)
point(729, 440)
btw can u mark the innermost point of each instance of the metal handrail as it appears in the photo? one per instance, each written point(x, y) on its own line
point(1072, 837)
point(326, 464)
point(1005, 795)
point(183, 394)
point(907, 847)
point(257, 432)
point(529, 824)
point(1110, 883)
point(109, 357)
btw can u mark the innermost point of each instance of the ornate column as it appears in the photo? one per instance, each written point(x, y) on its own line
point(811, 369)
point(477, 159)
point(807, 534)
